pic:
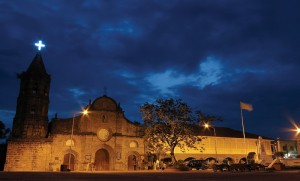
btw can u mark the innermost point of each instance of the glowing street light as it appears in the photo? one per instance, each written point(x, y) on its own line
point(207, 126)
point(84, 112)
point(296, 129)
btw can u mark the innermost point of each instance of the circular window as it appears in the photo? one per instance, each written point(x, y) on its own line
point(103, 134)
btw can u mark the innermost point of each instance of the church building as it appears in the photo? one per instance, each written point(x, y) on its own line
point(102, 139)
point(99, 138)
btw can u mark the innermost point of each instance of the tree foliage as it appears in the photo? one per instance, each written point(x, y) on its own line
point(4, 132)
point(169, 123)
point(207, 118)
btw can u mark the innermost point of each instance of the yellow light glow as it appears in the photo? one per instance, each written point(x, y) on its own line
point(296, 127)
point(206, 125)
point(85, 112)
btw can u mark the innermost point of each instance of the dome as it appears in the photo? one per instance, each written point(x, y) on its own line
point(104, 103)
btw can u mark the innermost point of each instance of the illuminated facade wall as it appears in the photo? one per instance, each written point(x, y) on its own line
point(224, 147)
point(49, 154)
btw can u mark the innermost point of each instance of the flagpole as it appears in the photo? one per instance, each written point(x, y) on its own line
point(247, 107)
point(243, 131)
point(243, 125)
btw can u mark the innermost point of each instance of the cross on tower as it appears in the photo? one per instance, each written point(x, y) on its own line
point(40, 45)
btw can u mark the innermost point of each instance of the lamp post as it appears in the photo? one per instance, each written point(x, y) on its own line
point(298, 140)
point(84, 112)
point(206, 125)
point(296, 129)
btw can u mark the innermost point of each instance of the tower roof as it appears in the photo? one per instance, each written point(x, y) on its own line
point(37, 65)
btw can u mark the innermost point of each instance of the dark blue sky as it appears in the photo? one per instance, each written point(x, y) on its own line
point(212, 54)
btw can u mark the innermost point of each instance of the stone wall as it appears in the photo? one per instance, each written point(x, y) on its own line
point(28, 155)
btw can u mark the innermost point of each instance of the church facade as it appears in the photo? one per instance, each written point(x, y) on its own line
point(102, 139)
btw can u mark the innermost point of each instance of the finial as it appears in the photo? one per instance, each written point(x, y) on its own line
point(105, 91)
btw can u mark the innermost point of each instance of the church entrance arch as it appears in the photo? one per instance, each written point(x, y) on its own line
point(132, 162)
point(101, 160)
point(69, 158)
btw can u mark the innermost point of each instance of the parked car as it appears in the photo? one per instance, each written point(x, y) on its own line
point(198, 164)
point(167, 161)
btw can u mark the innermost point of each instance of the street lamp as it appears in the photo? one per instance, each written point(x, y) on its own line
point(84, 112)
point(297, 134)
point(298, 140)
point(206, 125)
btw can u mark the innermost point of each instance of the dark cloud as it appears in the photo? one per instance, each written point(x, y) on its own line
point(212, 54)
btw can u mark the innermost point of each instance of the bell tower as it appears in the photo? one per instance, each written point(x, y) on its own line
point(31, 118)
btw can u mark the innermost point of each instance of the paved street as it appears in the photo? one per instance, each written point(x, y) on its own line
point(151, 176)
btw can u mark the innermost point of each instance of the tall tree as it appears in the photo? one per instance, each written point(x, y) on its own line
point(169, 123)
point(4, 132)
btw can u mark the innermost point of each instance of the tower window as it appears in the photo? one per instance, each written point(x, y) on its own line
point(33, 110)
point(34, 90)
point(46, 91)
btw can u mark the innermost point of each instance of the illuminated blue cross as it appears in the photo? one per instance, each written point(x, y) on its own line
point(40, 45)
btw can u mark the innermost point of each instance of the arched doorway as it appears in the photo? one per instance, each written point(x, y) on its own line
point(101, 160)
point(132, 162)
point(69, 158)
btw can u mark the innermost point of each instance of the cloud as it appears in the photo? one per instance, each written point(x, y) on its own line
point(77, 94)
point(166, 80)
point(212, 54)
point(7, 117)
point(209, 73)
